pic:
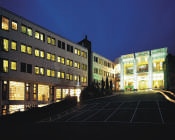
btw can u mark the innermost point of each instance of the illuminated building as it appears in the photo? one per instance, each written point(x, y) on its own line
point(37, 67)
point(102, 68)
point(142, 70)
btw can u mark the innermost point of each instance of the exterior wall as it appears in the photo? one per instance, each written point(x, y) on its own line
point(102, 68)
point(143, 70)
point(34, 65)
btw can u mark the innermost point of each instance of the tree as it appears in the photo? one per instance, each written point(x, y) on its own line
point(107, 83)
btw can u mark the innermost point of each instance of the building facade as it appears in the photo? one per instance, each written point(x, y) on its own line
point(37, 66)
point(102, 68)
point(142, 70)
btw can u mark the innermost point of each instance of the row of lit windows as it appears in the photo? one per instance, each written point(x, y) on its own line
point(156, 66)
point(40, 36)
point(40, 53)
point(6, 64)
point(103, 62)
point(103, 73)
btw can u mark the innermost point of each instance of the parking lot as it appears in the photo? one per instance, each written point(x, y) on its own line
point(130, 108)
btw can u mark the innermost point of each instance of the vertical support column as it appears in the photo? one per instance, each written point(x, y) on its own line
point(135, 73)
point(121, 75)
point(150, 72)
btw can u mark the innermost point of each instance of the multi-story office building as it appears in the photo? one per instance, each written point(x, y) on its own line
point(141, 70)
point(102, 68)
point(37, 66)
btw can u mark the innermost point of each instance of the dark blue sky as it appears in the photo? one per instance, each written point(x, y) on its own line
point(115, 27)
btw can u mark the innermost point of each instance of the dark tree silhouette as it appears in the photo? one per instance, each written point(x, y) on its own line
point(107, 83)
point(110, 85)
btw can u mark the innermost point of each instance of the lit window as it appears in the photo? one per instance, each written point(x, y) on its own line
point(48, 40)
point(67, 62)
point(42, 54)
point(13, 45)
point(14, 25)
point(53, 41)
point(23, 48)
point(13, 65)
point(59, 59)
point(76, 51)
point(48, 56)
point(71, 77)
point(5, 65)
point(5, 44)
point(62, 60)
point(5, 23)
point(52, 73)
point(29, 50)
point(71, 63)
point(36, 52)
point(42, 71)
point(62, 75)
point(41, 36)
point(23, 29)
point(67, 76)
point(36, 70)
point(48, 72)
point(29, 31)
point(52, 57)
point(37, 35)
point(59, 74)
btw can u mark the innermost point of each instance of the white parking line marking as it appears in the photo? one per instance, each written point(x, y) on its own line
point(135, 111)
point(160, 113)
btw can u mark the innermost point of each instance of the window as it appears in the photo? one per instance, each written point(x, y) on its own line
point(53, 41)
point(23, 29)
point(29, 31)
point(42, 36)
point(63, 45)
point(59, 43)
point(42, 71)
point(13, 65)
point(29, 50)
point(37, 35)
point(36, 70)
point(36, 52)
point(5, 44)
point(48, 72)
point(23, 48)
point(5, 65)
point(14, 25)
point(5, 23)
point(48, 39)
point(62, 60)
point(42, 54)
point(26, 68)
point(52, 57)
point(59, 74)
point(13, 45)
point(48, 56)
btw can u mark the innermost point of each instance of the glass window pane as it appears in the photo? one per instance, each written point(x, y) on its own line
point(13, 65)
point(14, 25)
point(23, 29)
point(5, 65)
point(36, 52)
point(29, 31)
point(13, 45)
point(23, 48)
point(37, 35)
point(5, 45)
point(29, 50)
point(5, 23)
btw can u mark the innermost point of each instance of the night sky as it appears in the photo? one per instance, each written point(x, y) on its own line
point(115, 27)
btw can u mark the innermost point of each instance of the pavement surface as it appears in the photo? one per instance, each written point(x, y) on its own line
point(134, 115)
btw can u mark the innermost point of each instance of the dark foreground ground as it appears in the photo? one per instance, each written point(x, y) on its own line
point(129, 116)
